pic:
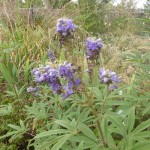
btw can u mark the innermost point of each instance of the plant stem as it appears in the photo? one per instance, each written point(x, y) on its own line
point(99, 126)
point(104, 103)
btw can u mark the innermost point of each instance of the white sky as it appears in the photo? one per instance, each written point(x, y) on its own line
point(140, 3)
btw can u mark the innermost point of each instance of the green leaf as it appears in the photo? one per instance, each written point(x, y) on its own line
point(87, 141)
point(117, 102)
point(65, 124)
point(131, 119)
point(80, 147)
point(95, 74)
point(144, 134)
point(22, 125)
point(104, 126)
point(141, 146)
point(111, 141)
point(5, 109)
point(141, 127)
point(87, 131)
point(46, 144)
point(146, 110)
point(83, 116)
point(6, 74)
point(117, 122)
point(9, 134)
point(51, 132)
point(14, 127)
point(59, 144)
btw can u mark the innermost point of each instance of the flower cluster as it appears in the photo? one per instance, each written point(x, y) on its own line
point(109, 77)
point(67, 71)
point(52, 77)
point(49, 75)
point(93, 47)
point(65, 27)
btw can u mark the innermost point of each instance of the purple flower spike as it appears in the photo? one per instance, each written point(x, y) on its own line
point(109, 77)
point(65, 27)
point(93, 47)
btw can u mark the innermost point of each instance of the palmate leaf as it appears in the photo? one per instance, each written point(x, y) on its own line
point(117, 122)
point(19, 130)
point(141, 127)
point(5, 109)
point(61, 141)
point(87, 143)
point(51, 132)
point(65, 124)
point(106, 133)
point(114, 94)
point(48, 143)
point(87, 132)
point(83, 116)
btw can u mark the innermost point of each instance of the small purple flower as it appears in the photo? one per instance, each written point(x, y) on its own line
point(34, 90)
point(31, 89)
point(68, 92)
point(93, 47)
point(65, 27)
point(77, 82)
point(67, 71)
point(112, 87)
point(103, 72)
point(70, 84)
point(109, 77)
point(51, 56)
point(56, 88)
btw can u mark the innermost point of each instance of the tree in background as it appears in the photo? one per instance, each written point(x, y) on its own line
point(147, 6)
